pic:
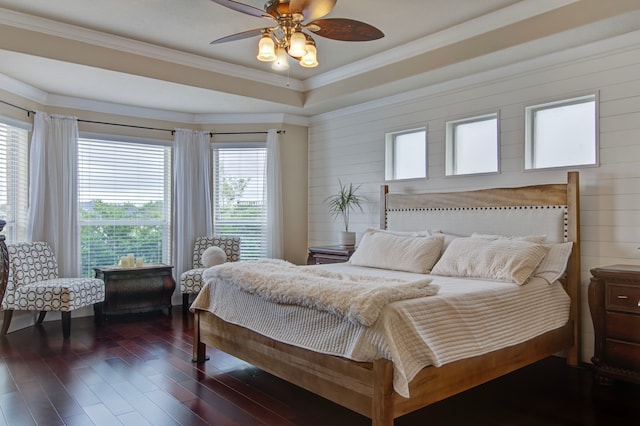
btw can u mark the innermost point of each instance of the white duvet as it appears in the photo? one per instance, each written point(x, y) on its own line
point(466, 318)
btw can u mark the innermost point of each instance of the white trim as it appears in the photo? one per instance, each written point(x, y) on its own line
point(24, 125)
point(122, 138)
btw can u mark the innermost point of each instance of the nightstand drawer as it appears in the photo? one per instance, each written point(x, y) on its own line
point(623, 327)
point(623, 354)
point(622, 297)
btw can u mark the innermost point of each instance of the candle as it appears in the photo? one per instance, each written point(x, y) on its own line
point(138, 261)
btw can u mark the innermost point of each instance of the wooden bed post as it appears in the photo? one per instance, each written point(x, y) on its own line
point(574, 281)
point(382, 407)
point(384, 190)
point(199, 348)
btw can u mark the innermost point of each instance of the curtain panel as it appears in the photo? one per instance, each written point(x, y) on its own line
point(275, 220)
point(53, 191)
point(192, 214)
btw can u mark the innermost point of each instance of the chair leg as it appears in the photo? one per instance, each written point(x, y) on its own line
point(41, 316)
point(97, 313)
point(185, 303)
point(6, 321)
point(66, 324)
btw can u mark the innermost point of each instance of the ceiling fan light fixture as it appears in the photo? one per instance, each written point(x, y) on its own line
point(281, 63)
point(297, 44)
point(266, 49)
point(310, 59)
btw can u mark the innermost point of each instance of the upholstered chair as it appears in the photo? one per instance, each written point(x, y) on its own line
point(33, 285)
point(191, 281)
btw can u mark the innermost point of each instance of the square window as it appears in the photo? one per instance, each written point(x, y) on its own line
point(472, 145)
point(561, 134)
point(406, 154)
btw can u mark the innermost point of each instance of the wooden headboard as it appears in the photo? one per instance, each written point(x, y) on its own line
point(551, 209)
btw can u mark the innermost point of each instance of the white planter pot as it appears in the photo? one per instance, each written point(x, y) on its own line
point(347, 239)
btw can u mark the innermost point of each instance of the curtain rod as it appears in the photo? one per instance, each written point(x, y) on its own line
point(211, 134)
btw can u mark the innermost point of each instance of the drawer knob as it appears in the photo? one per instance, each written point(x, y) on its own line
point(623, 297)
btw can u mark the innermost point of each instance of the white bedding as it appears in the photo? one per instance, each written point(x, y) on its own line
point(468, 317)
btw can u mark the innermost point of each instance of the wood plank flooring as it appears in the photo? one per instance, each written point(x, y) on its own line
point(137, 370)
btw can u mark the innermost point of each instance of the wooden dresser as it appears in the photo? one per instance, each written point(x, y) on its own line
point(614, 301)
point(329, 254)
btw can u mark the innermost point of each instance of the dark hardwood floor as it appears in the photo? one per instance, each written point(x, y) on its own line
point(137, 370)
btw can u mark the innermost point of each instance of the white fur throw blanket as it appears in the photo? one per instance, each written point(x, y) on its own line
point(359, 299)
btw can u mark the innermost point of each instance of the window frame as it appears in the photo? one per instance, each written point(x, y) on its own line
point(450, 143)
point(529, 117)
point(390, 150)
point(215, 145)
point(15, 230)
point(166, 224)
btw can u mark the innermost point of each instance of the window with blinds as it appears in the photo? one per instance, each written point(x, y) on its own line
point(14, 180)
point(124, 192)
point(240, 196)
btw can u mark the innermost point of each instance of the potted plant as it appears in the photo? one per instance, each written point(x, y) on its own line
point(340, 205)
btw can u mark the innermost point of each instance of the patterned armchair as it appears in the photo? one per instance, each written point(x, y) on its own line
point(33, 285)
point(191, 280)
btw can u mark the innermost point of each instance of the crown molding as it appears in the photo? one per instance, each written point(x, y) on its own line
point(601, 48)
point(110, 41)
point(21, 89)
point(36, 95)
point(482, 24)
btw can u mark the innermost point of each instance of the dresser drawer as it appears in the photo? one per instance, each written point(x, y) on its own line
point(623, 354)
point(622, 297)
point(623, 326)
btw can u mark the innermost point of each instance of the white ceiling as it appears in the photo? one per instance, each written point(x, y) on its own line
point(179, 31)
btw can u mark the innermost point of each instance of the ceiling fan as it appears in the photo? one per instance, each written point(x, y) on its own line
point(293, 22)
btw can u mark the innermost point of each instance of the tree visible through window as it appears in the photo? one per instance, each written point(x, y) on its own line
point(124, 195)
point(240, 194)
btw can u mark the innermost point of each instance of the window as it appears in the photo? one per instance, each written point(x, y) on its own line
point(472, 145)
point(406, 154)
point(240, 208)
point(562, 133)
point(124, 192)
point(14, 179)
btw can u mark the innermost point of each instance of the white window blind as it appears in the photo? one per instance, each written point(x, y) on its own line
point(124, 192)
point(406, 154)
point(472, 145)
point(240, 207)
point(14, 180)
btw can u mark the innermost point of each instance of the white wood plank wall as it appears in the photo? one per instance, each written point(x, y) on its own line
point(349, 144)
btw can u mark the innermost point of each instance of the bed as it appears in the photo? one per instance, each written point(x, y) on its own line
point(367, 387)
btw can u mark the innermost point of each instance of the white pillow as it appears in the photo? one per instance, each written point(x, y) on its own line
point(540, 239)
point(501, 259)
point(387, 251)
point(447, 237)
point(554, 263)
point(213, 256)
point(401, 233)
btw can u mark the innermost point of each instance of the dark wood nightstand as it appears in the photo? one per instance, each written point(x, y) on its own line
point(136, 289)
point(329, 254)
point(614, 301)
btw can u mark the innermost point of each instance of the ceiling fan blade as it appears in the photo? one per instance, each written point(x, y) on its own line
point(239, 36)
point(244, 8)
point(344, 29)
point(311, 9)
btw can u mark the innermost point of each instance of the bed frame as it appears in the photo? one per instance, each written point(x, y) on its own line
point(366, 387)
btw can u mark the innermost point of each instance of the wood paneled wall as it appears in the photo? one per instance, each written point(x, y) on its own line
point(349, 145)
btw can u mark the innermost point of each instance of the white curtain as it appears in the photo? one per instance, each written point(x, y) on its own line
point(53, 191)
point(191, 194)
point(275, 221)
